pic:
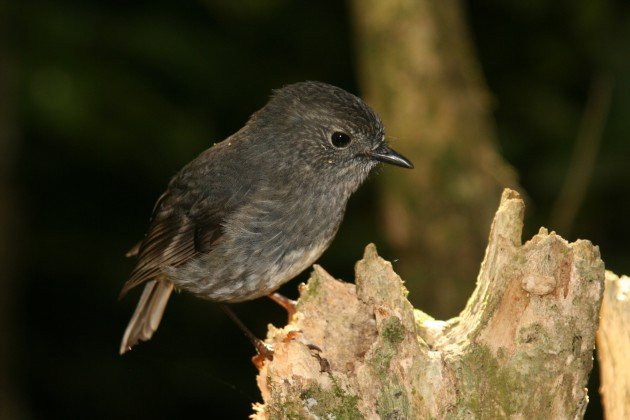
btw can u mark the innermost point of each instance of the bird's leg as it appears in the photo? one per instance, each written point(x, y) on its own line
point(285, 302)
point(264, 351)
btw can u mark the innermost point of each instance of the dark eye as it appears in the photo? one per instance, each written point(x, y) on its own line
point(339, 139)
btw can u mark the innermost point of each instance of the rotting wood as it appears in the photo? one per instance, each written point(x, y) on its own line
point(522, 347)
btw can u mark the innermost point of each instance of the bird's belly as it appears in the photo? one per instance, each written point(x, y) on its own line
point(240, 274)
point(289, 266)
point(262, 247)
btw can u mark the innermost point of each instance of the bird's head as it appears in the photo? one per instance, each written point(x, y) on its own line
point(324, 127)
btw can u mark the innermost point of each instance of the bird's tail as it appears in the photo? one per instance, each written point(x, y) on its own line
point(148, 313)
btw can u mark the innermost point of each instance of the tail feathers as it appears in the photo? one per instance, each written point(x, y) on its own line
point(148, 313)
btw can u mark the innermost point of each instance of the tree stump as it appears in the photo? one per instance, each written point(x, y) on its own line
point(613, 347)
point(522, 347)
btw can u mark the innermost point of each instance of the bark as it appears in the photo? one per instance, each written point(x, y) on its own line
point(522, 347)
point(417, 68)
point(613, 345)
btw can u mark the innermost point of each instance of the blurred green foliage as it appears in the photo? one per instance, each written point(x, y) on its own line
point(113, 97)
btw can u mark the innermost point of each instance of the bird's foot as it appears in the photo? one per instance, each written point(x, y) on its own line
point(285, 302)
point(265, 352)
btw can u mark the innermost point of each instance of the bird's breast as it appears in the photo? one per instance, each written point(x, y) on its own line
point(276, 239)
point(265, 243)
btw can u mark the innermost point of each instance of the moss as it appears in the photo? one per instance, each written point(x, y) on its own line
point(480, 367)
point(315, 401)
point(393, 402)
point(393, 330)
point(311, 290)
point(380, 357)
point(490, 390)
point(332, 403)
point(290, 408)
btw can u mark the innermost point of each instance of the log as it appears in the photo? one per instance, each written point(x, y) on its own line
point(522, 347)
point(613, 347)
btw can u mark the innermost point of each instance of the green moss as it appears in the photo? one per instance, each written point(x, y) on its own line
point(393, 330)
point(291, 408)
point(380, 358)
point(490, 390)
point(393, 402)
point(334, 403)
point(311, 290)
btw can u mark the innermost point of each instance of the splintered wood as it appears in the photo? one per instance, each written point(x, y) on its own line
point(522, 347)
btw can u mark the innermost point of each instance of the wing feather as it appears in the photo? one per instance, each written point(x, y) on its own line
point(169, 242)
point(187, 218)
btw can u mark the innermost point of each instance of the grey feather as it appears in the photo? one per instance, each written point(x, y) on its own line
point(146, 318)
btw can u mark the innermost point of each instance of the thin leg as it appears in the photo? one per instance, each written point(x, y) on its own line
point(285, 302)
point(264, 351)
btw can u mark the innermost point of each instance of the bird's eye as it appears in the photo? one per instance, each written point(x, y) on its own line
point(339, 139)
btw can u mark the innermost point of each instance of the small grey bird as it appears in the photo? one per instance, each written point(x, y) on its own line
point(252, 212)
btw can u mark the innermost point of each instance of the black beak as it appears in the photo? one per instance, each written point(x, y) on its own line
point(384, 153)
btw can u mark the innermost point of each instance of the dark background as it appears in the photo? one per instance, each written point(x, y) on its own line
point(106, 100)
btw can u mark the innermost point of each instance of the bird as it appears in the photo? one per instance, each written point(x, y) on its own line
point(256, 209)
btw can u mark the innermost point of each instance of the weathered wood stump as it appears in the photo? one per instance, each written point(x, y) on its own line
point(522, 347)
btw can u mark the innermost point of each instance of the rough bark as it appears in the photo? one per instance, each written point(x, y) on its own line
point(417, 68)
point(613, 347)
point(522, 347)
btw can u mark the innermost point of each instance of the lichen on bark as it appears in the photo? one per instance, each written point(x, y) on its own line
point(522, 346)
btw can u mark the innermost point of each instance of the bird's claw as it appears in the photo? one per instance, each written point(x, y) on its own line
point(265, 352)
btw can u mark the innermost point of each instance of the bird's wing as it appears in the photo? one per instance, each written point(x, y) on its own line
point(169, 242)
point(187, 219)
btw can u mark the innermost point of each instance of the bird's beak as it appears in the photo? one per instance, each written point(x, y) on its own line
point(384, 153)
